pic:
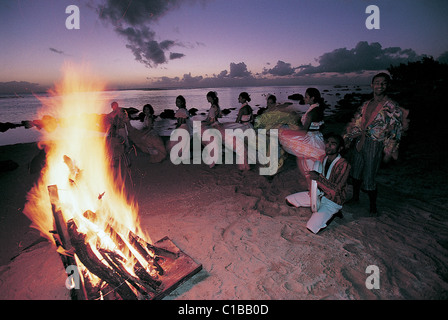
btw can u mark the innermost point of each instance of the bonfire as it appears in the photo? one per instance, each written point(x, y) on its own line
point(81, 205)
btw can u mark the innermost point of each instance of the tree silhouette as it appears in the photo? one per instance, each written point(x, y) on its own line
point(421, 87)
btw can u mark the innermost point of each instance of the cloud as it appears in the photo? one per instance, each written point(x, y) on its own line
point(190, 80)
point(238, 75)
point(239, 70)
point(132, 20)
point(355, 66)
point(175, 55)
point(280, 69)
point(57, 51)
point(363, 57)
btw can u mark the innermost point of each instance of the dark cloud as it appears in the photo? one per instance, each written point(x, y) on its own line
point(239, 70)
point(363, 57)
point(190, 80)
point(136, 12)
point(57, 51)
point(223, 74)
point(132, 20)
point(280, 69)
point(237, 76)
point(355, 66)
point(142, 44)
point(175, 55)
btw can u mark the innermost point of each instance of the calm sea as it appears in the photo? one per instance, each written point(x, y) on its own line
point(25, 107)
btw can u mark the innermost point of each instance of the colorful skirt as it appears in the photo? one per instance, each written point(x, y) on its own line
point(309, 146)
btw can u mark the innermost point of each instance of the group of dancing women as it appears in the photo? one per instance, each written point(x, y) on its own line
point(299, 136)
point(376, 130)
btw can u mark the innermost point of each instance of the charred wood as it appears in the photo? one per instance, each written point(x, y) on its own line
point(116, 262)
point(156, 251)
point(95, 266)
point(139, 244)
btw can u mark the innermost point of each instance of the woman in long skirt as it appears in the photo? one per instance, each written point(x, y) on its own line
point(211, 122)
point(244, 121)
point(307, 143)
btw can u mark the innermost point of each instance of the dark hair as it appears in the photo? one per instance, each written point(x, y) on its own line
point(214, 96)
point(338, 138)
point(381, 75)
point(245, 96)
point(151, 109)
point(181, 98)
point(315, 93)
point(272, 97)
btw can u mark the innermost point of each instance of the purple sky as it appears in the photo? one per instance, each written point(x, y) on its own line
point(158, 43)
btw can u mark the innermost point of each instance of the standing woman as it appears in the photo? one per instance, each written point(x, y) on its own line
point(211, 122)
point(183, 121)
point(307, 143)
point(244, 121)
point(245, 114)
point(182, 115)
point(214, 112)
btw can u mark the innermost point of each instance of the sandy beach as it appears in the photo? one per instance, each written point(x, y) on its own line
point(250, 244)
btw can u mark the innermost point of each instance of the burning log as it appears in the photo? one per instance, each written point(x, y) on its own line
point(145, 279)
point(136, 243)
point(95, 266)
point(148, 251)
point(145, 276)
point(75, 172)
point(61, 228)
point(138, 283)
point(157, 251)
point(154, 283)
point(62, 239)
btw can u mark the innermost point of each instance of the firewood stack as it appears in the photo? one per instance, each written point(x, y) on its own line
point(133, 269)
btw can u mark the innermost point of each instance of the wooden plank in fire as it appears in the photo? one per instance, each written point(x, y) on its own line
point(62, 240)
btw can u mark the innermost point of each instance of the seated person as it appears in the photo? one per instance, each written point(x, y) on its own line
point(331, 184)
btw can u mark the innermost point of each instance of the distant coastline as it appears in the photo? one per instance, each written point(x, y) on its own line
point(14, 88)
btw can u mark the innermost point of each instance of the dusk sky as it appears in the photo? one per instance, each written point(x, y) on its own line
point(162, 43)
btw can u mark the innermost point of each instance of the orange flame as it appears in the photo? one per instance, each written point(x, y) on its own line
point(77, 160)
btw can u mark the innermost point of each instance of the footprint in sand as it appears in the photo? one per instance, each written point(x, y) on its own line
point(293, 286)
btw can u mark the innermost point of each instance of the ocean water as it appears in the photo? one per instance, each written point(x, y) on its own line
point(18, 108)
